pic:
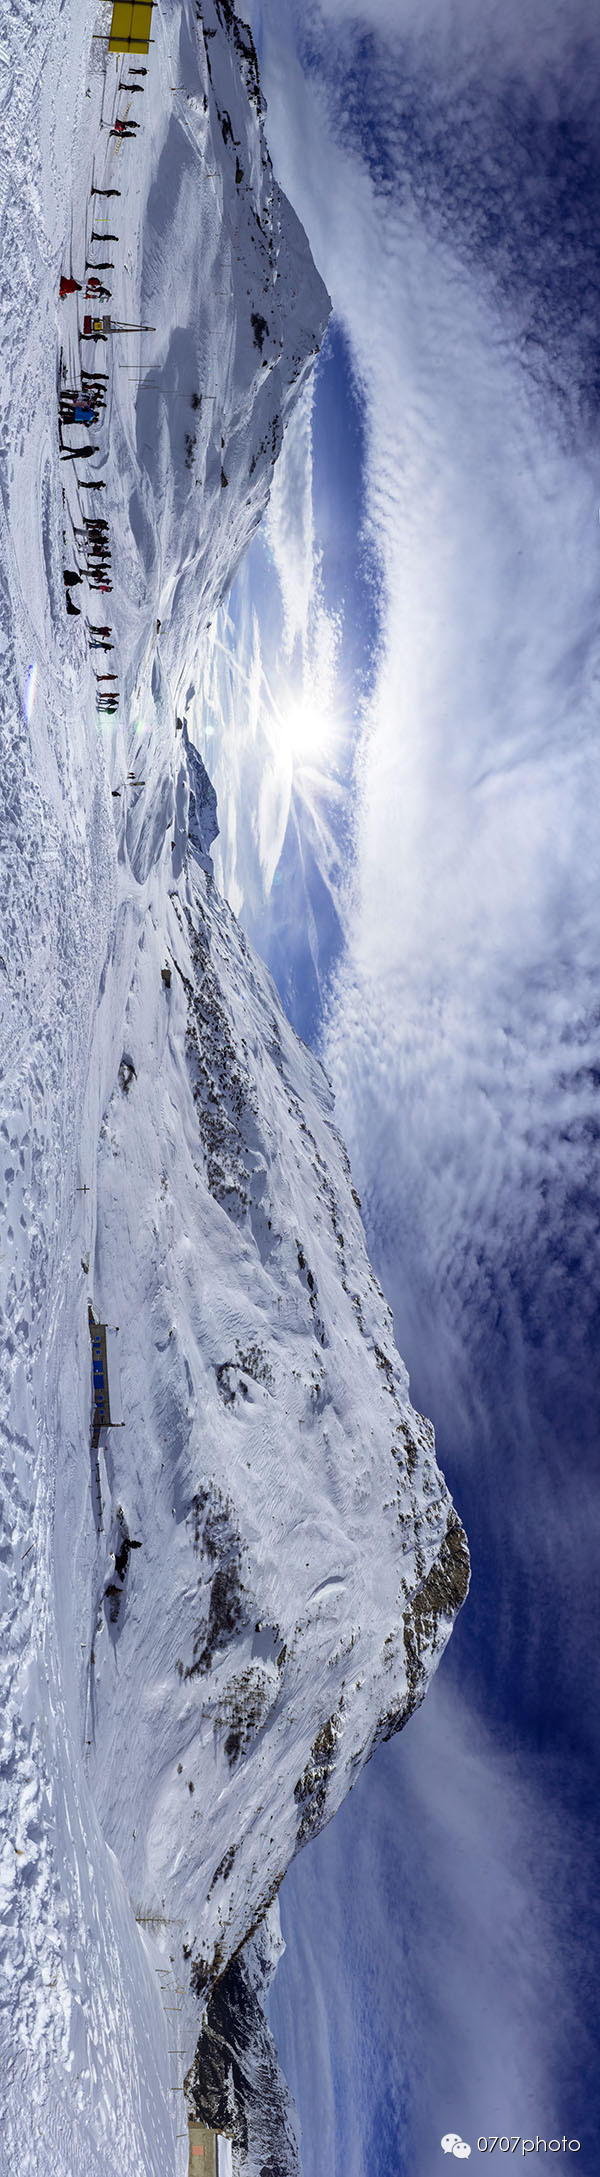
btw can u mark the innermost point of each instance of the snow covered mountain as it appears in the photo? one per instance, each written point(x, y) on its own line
point(187, 1696)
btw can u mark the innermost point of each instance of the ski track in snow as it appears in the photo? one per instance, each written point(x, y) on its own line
point(76, 2088)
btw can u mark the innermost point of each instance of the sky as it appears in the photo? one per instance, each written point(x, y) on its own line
point(400, 712)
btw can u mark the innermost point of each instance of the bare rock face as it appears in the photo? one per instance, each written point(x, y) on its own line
point(237, 2085)
point(202, 826)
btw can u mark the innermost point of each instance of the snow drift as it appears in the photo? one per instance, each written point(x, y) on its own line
point(209, 1624)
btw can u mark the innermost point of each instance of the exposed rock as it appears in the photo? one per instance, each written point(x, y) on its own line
point(237, 2085)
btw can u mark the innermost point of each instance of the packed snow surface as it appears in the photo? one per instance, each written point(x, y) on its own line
point(208, 1620)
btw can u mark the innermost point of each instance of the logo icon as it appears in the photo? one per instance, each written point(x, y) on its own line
point(453, 2144)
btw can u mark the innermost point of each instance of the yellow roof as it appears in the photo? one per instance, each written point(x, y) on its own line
point(131, 26)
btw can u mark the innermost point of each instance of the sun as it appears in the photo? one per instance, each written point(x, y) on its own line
point(306, 727)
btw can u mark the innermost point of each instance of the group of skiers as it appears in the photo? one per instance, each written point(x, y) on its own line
point(94, 540)
point(124, 127)
point(84, 405)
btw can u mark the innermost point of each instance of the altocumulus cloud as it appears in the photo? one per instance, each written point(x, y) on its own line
point(462, 1028)
point(432, 1987)
point(445, 161)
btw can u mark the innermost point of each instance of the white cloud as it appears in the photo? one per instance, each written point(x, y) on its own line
point(537, 33)
point(462, 1030)
point(289, 523)
point(472, 929)
point(428, 1925)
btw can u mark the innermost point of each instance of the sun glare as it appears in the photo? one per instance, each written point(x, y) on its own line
point(306, 704)
point(307, 727)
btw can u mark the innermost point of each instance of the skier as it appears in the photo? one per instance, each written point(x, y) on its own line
point(79, 453)
point(70, 577)
point(68, 287)
point(103, 237)
point(95, 192)
point(72, 410)
point(94, 389)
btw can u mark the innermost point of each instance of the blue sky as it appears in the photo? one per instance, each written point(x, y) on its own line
point(404, 697)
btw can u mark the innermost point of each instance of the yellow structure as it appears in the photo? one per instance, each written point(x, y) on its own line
point(131, 26)
point(203, 2152)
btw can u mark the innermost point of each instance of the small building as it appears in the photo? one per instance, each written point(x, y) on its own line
point(96, 328)
point(102, 1417)
point(203, 2154)
point(131, 26)
point(102, 1414)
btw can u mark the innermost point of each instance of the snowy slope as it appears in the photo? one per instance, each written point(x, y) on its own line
point(179, 1717)
point(284, 1493)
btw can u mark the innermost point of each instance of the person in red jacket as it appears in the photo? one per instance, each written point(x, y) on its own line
point(69, 287)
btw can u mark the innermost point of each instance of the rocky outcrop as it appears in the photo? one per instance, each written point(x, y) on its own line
point(203, 826)
point(237, 2085)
